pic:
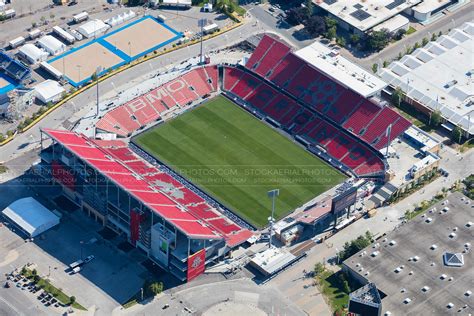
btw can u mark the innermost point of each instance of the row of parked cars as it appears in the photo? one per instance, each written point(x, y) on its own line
point(27, 285)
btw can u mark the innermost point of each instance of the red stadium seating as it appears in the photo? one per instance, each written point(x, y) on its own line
point(285, 70)
point(323, 133)
point(231, 77)
point(202, 210)
point(224, 226)
point(212, 76)
point(379, 125)
point(246, 85)
point(147, 108)
point(361, 117)
point(273, 56)
point(263, 47)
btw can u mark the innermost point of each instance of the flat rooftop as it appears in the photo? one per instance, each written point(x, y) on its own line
point(439, 75)
point(342, 70)
point(416, 251)
point(363, 15)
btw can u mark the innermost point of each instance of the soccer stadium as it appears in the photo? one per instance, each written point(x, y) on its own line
point(191, 183)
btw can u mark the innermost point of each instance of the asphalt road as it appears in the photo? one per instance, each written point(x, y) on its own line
point(450, 21)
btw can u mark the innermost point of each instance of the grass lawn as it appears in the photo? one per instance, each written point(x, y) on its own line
point(411, 30)
point(331, 286)
point(235, 158)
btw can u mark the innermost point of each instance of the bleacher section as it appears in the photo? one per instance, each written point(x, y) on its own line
point(13, 68)
point(151, 184)
point(341, 105)
point(150, 107)
point(283, 110)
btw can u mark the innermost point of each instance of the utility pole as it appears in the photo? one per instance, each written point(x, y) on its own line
point(272, 194)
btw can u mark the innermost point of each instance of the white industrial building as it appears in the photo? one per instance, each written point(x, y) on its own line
point(32, 54)
point(361, 17)
point(439, 77)
point(332, 64)
point(49, 91)
point(31, 216)
point(93, 28)
point(51, 45)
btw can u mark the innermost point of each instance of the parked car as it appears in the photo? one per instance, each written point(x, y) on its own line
point(89, 258)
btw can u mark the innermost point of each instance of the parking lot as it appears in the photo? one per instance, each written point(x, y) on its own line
point(108, 280)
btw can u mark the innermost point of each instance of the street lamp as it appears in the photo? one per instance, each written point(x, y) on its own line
point(97, 73)
point(272, 194)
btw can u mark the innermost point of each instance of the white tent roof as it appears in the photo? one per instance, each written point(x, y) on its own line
point(32, 51)
point(51, 43)
point(31, 216)
point(48, 89)
point(93, 27)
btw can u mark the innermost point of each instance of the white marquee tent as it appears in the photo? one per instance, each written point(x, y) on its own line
point(32, 217)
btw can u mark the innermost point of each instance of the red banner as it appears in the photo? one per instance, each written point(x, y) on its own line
point(63, 175)
point(196, 264)
point(135, 220)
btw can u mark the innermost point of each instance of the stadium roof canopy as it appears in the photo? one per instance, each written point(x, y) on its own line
point(439, 76)
point(364, 15)
point(31, 216)
point(163, 204)
point(333, 65)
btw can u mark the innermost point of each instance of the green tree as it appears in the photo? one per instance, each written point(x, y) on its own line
point(72, 300)
point(33, 24)
point(94, 76)
point(155, 288)
point(354, 38)
point(375, 68)
point(440, 33)
point(330, 22)
point(417, 45)
point(315, 25)
point(331, 33)
point(318, 268)
point(385, 63)
point(456, 134)
point(34, 272)
point(296, 16)
point(309, 8)
point(341, 41)
point(400, 55)
point(36, 278)
point(433, 37)
point(424, 41)
point(399, 34)
point(377, 40)
point(397, 96)
point(436, 119)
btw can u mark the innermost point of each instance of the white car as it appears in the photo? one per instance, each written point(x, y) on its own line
point(89, 258)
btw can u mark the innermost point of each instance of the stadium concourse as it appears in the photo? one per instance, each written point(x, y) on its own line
point(104, 175)
point(334, 122)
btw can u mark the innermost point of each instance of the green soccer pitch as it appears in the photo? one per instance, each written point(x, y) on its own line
point(235, 158)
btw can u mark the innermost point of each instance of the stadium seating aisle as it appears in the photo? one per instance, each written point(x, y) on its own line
point(361, 117)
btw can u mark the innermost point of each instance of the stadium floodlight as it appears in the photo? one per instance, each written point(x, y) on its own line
point(201, 23)
point(97, 73)
point(272, 194)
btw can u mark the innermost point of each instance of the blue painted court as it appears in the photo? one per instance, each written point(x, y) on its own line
point(114, 49)
point(7, 84)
